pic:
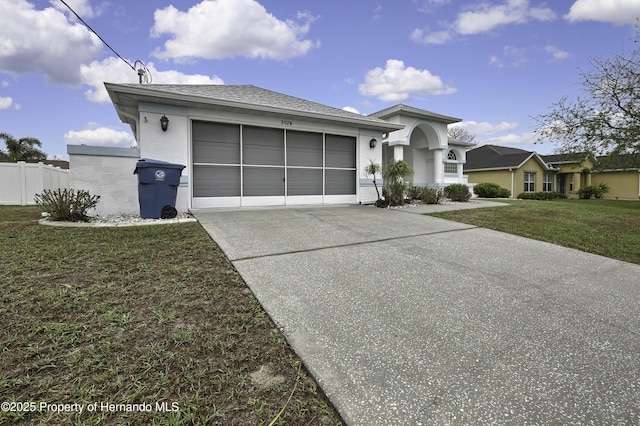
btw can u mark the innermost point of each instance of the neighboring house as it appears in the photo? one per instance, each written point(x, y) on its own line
point(247, 146)
point(526, 171)
point(514, 169)
point(622, 176)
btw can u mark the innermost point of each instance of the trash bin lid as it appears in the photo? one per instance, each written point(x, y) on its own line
point(149, 162)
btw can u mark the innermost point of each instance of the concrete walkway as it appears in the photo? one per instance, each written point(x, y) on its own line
point(406, 319)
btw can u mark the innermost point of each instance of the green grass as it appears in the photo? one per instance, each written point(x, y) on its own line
point(606, 227)
point(139, 315)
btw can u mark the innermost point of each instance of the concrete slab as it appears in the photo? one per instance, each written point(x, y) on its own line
point(450, 325)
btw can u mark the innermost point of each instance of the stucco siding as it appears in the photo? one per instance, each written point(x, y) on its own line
point(622, 185)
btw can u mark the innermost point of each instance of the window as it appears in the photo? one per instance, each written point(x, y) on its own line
point(451, 164)
point(571, 183)
point(547, 182)
point(529, 181)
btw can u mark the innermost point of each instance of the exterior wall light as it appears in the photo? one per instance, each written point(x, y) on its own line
point(372, 143)
point(164, 123)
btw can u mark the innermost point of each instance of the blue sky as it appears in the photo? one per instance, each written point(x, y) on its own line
point(493, 63)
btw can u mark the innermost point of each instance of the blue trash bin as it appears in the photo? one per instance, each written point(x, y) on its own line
point(158, 183)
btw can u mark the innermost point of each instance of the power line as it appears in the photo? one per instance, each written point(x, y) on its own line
point(143, 72)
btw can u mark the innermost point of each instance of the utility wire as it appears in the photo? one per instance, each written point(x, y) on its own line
point(142, 72)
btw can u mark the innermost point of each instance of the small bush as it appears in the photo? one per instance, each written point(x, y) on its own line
point(457, 192)
point(415, 192)
point(595, 191)
point(541, 196)
point(67, 204)
point(491, 190)
point(431, 196)
point(504, 193)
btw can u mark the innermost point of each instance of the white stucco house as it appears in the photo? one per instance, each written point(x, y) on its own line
point(247, 146)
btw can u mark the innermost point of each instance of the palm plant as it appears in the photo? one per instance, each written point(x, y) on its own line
point(373, 169)
point(23, 149)
point(394, 174)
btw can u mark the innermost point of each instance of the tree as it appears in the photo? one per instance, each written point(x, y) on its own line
point(394, 173)
point(23, 149)
point(606, 119)
point(461, 134)
point(373, 169)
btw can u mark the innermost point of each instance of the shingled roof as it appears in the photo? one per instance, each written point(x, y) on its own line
point(245, 98)
point(413, 112)
point(495, 157)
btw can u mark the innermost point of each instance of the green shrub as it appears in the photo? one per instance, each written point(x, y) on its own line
point(415, 192)
point(67, 204)
point(394, 173)
point(491, 190)
point(595, 191)
point(431, 196)
point(457, 192)
point(541, 196)
point(504, 193)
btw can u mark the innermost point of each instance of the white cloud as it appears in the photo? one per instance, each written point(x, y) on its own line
point(396, 82)
point(5, 102)
point(437, 37)
point(214, 29)
point(556, 53)
point(101, 136)
point(44, 41)
point(113, 70)
point(81, 7)
point(351, 109)
point(618, 12)
point(511, 56)
point(526, 138)
point(483, 17)
point(486, 128)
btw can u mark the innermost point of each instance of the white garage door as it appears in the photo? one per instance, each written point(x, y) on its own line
point(247, 165)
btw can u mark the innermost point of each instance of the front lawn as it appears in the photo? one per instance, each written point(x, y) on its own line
point(606, 227)
point(154, 316)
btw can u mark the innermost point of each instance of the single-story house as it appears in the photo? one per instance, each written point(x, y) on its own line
point(526, 171)
point(247, 146)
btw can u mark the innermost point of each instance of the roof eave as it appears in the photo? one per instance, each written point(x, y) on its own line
point(114, 89)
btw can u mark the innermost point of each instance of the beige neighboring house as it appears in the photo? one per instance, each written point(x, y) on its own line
point(526, 171)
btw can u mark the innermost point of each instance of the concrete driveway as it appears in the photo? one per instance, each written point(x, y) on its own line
point(406, 319)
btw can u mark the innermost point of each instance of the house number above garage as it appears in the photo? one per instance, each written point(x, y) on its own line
point(288, 123)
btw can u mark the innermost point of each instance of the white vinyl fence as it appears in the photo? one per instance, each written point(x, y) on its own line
point(20, 182)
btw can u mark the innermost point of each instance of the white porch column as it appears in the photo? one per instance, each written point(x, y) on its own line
point(438, 167)
point(398, 152)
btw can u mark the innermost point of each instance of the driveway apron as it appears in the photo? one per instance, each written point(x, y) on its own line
point(406, 319)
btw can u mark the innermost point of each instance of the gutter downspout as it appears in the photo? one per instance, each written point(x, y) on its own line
point(512, 182)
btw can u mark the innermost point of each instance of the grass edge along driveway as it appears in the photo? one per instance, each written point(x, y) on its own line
point(152, 323)
point(609, 228)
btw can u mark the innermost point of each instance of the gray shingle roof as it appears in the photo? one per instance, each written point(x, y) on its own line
point(495, 157)
point(247, 97)
point(414, 112)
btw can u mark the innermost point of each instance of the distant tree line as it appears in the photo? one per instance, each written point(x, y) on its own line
point(23, 149)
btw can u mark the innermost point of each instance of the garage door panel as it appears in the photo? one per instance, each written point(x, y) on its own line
point(304, 149)
point(263, 181)
point(216, 143)
point(340, 151)
point(340, 182)
point(216, 181)
point(304, 181)
point(262, 146)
